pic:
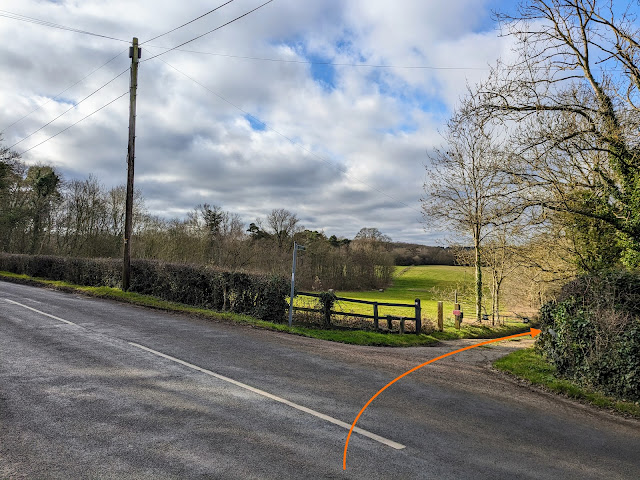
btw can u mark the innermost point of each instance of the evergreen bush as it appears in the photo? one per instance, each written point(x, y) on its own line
point(592, 332)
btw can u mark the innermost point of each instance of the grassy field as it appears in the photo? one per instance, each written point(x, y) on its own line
point(429, 283)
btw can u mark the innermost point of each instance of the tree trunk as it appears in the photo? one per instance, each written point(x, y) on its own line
point(478, 279)
point(497, 309)
point(35, 239)
point(494, 301)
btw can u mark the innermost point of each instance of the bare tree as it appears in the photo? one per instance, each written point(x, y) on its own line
point(502, 258)
point(282, 224)
point(544, 266)
point(573, 95)
point(466, 187)
point(83, 217)
point(373, 235)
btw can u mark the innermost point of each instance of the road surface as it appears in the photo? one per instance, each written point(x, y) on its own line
point(97, 389)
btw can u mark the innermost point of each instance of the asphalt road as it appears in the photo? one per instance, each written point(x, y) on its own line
point(126, 392)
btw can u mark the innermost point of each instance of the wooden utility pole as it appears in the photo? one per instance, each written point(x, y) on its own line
point(134, 54)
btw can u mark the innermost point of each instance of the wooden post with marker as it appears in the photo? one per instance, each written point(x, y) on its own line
point(456, 308)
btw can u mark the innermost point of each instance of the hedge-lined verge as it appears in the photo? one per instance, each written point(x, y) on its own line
point(261, 296)
point(531, 366)
point(591, 335)
point(354, 337)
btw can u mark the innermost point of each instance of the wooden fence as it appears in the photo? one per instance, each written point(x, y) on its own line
point(417, 317)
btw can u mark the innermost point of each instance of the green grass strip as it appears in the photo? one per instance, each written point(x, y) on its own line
point(531, 366)
point(480, 331)
point(354, 337)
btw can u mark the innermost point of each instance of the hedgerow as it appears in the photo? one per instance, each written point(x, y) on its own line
point(262, 296)
point(592, 333)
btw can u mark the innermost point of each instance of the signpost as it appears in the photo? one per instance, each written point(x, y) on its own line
point(296, 247)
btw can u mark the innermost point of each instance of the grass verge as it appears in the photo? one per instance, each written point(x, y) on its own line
point(344, 336)
point(354, 337)
point(531, 366)
point(474, 330)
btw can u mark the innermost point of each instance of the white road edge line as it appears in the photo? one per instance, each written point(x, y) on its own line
point(373, 436)
point(335, 421)
point(42, 313)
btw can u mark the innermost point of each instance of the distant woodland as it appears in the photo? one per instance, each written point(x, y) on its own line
point(42, 213)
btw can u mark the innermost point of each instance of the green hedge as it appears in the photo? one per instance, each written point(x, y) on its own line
point(262, 296)
point(592, 333)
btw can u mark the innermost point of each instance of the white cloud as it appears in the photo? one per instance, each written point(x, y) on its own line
point(358, 139)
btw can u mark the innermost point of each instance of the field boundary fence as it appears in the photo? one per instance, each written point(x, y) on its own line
point(417, 316)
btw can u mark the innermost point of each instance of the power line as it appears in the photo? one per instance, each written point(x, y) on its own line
point(70, 108)
point(63, 91)
point(185, 24)
point(308, 62)
point(211, 31)
point(336, 64)
point(74, 124)
point(24, 18)
point(328, 162)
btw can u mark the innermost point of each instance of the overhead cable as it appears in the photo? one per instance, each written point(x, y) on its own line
point(24, 18)
point(336, 64)
point(211, 31)
point(63, 91)
point(185, 24)
point(70, 108)
point(74, 124)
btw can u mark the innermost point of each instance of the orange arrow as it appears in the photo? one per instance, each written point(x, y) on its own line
point(533, 332)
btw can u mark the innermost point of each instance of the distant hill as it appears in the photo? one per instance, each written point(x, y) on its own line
point(416, 254)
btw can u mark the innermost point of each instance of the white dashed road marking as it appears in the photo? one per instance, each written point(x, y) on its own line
point(327, 418)
point(335, 421)
point(42, 313)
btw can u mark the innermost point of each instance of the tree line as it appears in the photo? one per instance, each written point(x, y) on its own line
point(41, 213)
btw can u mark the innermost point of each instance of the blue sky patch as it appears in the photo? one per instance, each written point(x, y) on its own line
point(321, 72)
point(325, 75)
point(393, 87)
point(63, 100)
point(255, 124)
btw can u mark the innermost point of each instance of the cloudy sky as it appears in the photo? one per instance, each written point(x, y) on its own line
point(275, 110)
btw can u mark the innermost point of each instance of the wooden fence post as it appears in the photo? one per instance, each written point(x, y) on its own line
point(418, 317)
point(327, 314)
point(375, 316)
point(440, 316)
point(456, 307)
